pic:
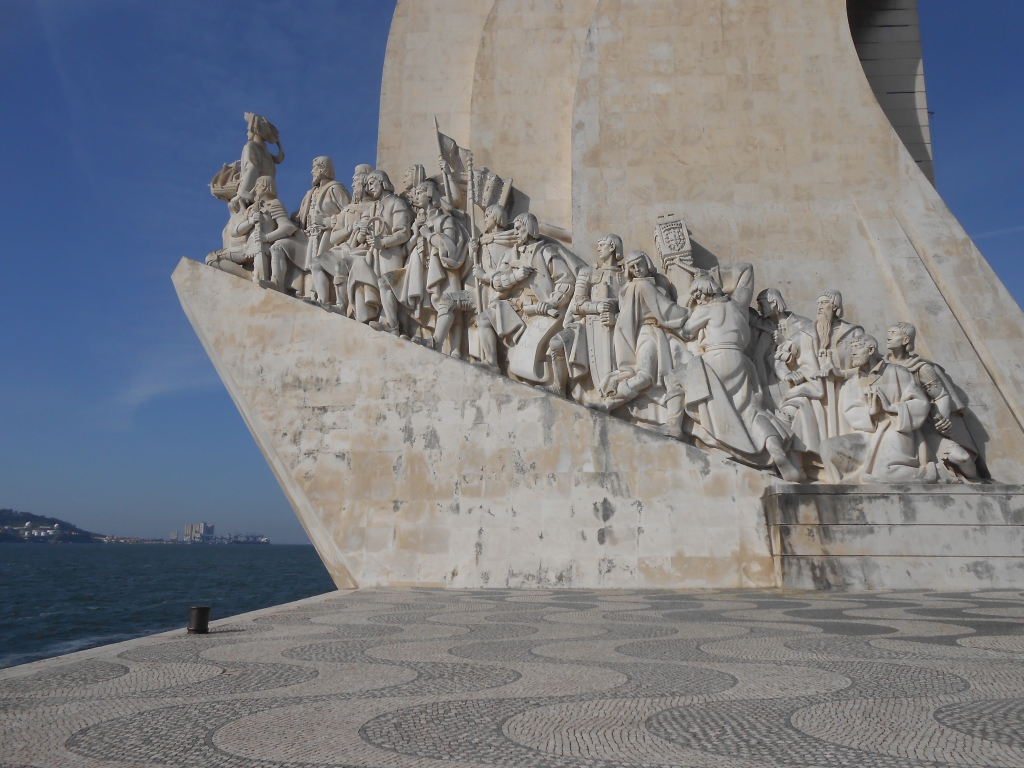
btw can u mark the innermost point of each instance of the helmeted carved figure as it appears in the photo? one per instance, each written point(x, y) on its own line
point(266, 222)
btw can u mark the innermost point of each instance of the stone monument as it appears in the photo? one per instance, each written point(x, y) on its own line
point(644, 349)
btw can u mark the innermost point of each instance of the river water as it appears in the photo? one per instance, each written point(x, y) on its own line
point(59, 598)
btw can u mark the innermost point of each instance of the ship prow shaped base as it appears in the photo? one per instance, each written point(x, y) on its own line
point(407, 467)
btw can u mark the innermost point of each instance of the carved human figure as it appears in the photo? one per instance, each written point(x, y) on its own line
point(385, 228)
point(439, 247)
point(256, 158)
point(722, 395)
point(535, 278)
point(232, 257)
point(647, 347)
point(947, 435)
point(266, 222)
point(334, 265)
point(771, 326)
point(487, 251)
point(815, 364)
point(583, 353)
point(324, 201)
point(884, 408)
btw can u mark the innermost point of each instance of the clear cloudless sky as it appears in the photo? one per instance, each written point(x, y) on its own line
point(114, 115)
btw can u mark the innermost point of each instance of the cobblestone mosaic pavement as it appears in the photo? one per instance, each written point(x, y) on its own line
point(545, 679)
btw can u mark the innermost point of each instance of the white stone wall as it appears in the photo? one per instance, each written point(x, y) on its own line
point(408, 467)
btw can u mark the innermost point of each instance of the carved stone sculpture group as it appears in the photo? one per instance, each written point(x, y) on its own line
point(679, 350)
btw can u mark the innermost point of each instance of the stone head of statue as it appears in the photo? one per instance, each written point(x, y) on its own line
point(323, 169)
point(931, 382)
point(414, 176)
point(260, 128)
point(263, 131)
point(864, 352)
point(378, 185)
point(359, 187)
point(426, 195)
point(495, 218)
point(901, 337)
point(830, 304)
point(609, 250)
point(527, 228)
point(264, 189)
point(639, 265)
point(704, 289)
point(770, 303)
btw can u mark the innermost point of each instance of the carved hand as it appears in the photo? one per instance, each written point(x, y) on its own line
point(479, 274)
point(943, 425)
point(795, 378)
point(883, 400)
point(522, 273)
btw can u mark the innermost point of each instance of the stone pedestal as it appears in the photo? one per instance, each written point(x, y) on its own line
point(897, 537)
point(408, 467)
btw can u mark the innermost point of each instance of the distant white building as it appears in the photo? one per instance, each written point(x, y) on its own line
point(198, 532)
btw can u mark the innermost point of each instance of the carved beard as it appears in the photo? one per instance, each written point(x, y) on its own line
point(824, 326)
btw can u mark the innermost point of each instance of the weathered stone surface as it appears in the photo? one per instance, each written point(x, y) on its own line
point(754, 120)
point(410, 467)
point(863, 537)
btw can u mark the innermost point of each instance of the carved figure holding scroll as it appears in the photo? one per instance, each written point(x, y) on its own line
point(385, 228)
point(947, 435)
point(315, 218)
point(441, 246)
point(884, 409)
point(266, 222)
point(583, 353)
point(256, 158)
point(722, 395)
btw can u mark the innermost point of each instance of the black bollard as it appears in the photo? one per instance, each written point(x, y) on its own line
point(199, 620)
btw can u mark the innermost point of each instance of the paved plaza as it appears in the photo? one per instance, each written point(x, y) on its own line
point(546, 679)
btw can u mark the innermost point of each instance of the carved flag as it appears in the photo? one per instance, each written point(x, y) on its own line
point(453, 154)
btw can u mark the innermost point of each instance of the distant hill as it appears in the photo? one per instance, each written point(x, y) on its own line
point(41, 530)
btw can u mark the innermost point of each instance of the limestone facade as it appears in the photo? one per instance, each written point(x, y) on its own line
point(752, 119)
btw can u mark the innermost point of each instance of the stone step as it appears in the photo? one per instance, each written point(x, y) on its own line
point(900, 540)
point(870, 573)
point(903, 505)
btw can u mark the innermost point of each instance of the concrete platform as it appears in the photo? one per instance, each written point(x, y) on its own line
point(418, 678)
point(897, 537)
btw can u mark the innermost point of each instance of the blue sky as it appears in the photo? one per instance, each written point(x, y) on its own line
point(114, 117)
